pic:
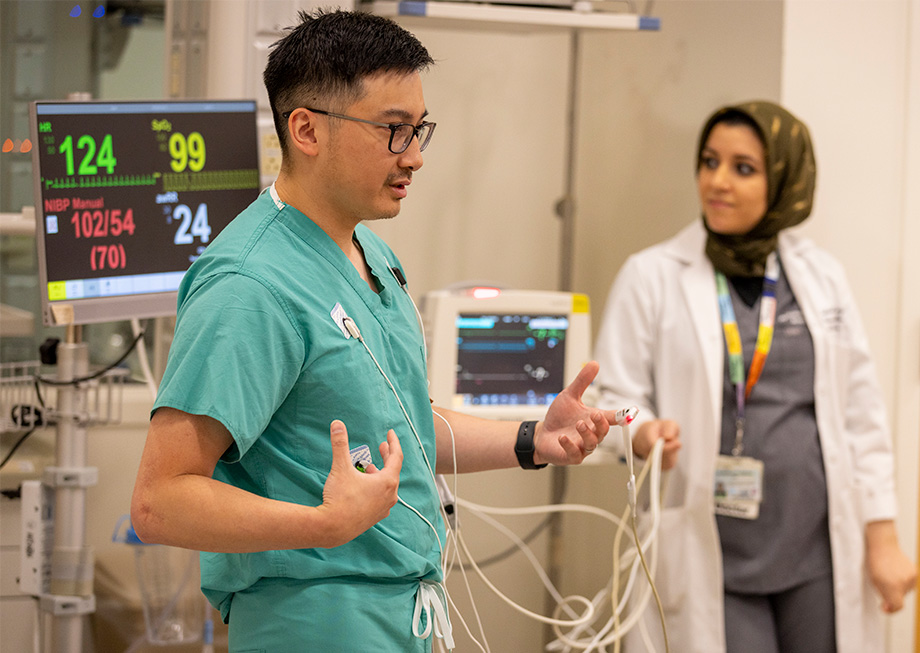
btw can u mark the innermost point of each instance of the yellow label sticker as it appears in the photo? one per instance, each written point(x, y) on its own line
point(580, 303)
point(57, 290)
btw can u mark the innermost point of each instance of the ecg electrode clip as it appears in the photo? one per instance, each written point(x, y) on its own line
point(625, 416)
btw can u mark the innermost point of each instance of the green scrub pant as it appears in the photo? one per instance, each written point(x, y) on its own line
point(284, 615)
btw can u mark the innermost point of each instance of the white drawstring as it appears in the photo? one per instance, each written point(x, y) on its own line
point(430, 595)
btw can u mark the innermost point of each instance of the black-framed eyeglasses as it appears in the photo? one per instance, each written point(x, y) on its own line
point(401, 133)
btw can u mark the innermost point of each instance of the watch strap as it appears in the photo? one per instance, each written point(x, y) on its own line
point(524, 447)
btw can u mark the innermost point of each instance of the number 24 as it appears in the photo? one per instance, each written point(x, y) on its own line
point(191, 227)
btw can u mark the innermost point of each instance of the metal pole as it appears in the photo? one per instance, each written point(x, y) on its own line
point(565, 209)
point(71, 590)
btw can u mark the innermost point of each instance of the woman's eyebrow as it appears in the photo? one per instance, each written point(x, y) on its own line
point(746, 157)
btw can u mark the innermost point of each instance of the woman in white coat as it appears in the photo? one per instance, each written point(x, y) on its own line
point(777, 531)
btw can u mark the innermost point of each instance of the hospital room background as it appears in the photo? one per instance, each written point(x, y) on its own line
point(560, 150)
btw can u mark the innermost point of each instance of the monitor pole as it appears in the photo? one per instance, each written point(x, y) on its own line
point(71, 595)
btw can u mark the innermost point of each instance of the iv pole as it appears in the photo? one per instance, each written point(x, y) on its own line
point(71, 587)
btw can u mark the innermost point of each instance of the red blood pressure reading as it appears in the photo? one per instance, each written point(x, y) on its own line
point(108, 257)
point(102, 223)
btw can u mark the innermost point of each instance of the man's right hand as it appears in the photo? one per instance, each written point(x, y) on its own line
point(658, 429)
point(354, 501)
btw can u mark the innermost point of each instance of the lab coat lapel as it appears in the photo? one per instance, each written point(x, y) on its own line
point(699, 292)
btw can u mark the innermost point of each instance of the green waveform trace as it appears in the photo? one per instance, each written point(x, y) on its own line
point(211, 180)
point(101, 181)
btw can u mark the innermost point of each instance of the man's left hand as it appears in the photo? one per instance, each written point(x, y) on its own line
point(571, 430)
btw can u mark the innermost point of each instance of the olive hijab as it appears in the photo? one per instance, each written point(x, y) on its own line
point(790, 168)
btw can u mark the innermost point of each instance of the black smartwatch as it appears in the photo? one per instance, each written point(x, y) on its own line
point(524, 448)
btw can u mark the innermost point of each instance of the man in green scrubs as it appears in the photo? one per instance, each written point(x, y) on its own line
point(294, 323)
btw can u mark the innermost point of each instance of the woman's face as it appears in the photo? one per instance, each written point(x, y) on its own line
point(732, 179)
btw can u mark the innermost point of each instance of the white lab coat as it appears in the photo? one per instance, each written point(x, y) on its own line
point(661, 347)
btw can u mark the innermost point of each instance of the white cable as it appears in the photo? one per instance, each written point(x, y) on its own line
point(484, 648)
point(547, 509)
point(454, 534)
point(531, 557)
point(418, 315)
point(539, 510)
point(621, 629)
point(602, 638)
point(425, 519)
point(533, 615)
point(453, 449)
point(630, 465)
point(628, 415)
point(593, 510)
point(353, 329)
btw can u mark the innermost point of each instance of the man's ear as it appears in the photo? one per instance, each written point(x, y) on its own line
point(302, 131)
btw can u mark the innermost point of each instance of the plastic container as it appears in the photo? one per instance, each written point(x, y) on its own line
point(168, 578)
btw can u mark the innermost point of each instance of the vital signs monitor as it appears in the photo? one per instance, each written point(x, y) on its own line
point(504, 354)
point(128, 195)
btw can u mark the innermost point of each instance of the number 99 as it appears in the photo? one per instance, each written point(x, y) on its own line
point(189, 152)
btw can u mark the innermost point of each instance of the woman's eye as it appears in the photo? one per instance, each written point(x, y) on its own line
point(709, 162)
point(745, 169)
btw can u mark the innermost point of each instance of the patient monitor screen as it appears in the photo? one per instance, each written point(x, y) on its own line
point(129, 194)
point(510, 359)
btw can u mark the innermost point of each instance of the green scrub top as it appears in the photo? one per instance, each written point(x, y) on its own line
point(257, 349)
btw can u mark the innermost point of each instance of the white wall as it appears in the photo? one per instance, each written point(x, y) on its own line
point(907, 416)
point(482, 207)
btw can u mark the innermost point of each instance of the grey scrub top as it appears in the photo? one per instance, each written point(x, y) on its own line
point(789, 543)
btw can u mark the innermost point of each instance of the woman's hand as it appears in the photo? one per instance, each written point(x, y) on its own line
point(658, 429)
point(891, 572)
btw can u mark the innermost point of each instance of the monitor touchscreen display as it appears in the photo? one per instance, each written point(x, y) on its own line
point(510, 359)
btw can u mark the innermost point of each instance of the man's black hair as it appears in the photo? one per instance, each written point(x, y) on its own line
point(322, 61)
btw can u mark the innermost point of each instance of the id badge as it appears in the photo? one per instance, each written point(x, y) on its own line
point(361, 457)
point(738, 486)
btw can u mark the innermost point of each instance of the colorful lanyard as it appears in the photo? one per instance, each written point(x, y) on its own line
point(733, 341)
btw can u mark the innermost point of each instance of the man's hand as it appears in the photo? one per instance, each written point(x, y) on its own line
point(571, 430)
point(354, 501)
